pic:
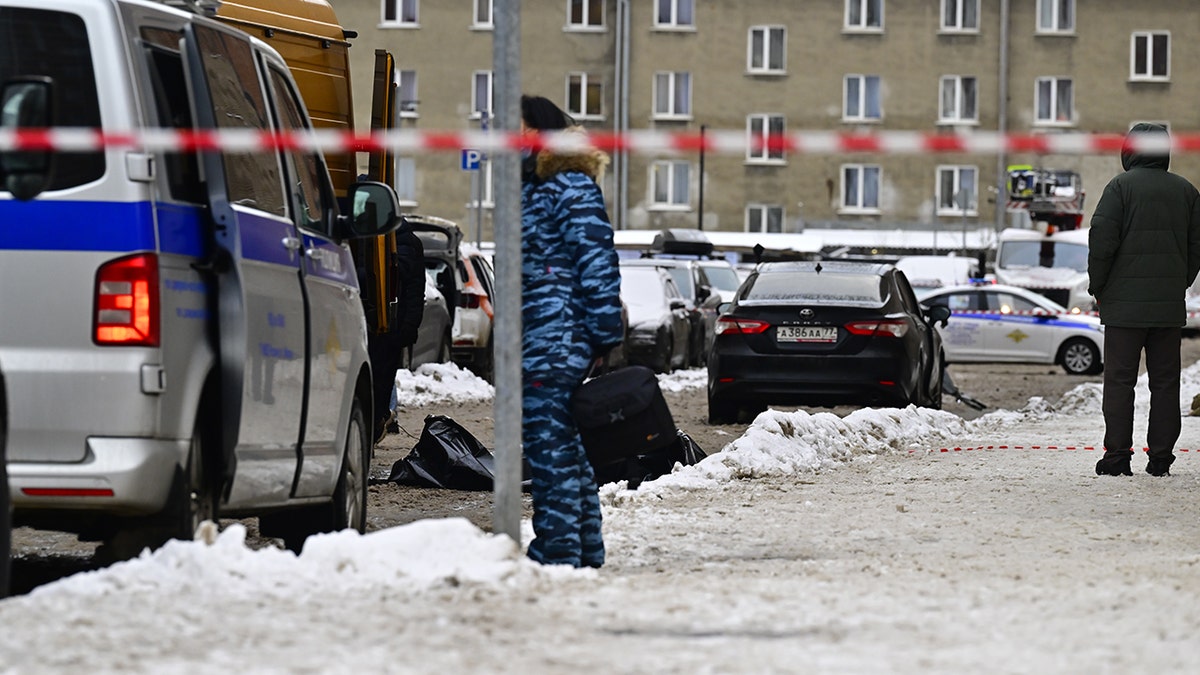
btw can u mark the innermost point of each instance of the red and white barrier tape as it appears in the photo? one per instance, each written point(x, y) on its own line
point(1088, 448)
point(640, 141)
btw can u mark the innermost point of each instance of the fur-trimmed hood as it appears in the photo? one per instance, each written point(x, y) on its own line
point(549, 163)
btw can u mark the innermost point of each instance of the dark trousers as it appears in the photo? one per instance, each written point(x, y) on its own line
point(384, 350)
point(1123, 349)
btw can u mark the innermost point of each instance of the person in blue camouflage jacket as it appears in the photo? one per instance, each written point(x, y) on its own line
point(571, 311)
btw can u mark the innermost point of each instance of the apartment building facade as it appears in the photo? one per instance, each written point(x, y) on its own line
point(772, 66)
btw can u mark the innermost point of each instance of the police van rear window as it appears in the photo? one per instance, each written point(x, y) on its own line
point(55, 44)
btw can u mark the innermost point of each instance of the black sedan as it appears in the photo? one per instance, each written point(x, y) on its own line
point(824, 334)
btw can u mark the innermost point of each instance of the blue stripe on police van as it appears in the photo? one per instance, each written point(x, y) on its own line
point(45, 225)
point(1029, 319)
point(330, 261)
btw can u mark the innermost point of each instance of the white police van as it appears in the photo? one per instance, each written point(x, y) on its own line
point(181, 334)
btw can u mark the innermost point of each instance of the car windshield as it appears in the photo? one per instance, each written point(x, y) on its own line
point(1043, 254)
point(723, 278)
point(683, 279)
point(857, 290)
point(642, 289)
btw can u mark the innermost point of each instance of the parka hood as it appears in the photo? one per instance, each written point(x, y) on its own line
point(549, 163)
point(1133, 158)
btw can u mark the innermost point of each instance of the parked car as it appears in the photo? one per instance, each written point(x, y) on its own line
point(659, 328)
point(824, 334)
point(433, 343)
point(701, 301)
point(473, 320)
point(721, 276)
point(997, 323)
point(442, 241)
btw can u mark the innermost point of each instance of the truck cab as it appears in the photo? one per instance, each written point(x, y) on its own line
point(195, 344)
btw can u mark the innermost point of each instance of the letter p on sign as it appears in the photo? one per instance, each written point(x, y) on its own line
point(470, 159)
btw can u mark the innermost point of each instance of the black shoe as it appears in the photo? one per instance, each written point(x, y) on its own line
point(1160, 466)
point(1114, 465)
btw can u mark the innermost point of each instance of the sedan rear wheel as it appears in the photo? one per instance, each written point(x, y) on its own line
point(1080, 357)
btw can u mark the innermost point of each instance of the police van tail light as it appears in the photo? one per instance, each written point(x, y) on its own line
point(126, 302)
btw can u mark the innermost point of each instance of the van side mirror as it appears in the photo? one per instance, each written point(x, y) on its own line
point(26, 102)
point(375, 211)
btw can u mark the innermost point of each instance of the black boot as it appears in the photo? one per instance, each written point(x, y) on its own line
point(1114, 464)
point(1160, 466)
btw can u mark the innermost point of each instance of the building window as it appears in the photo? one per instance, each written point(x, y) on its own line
point(672, 95)
point(764, 218)
point(585, 96)
point(959, 100)
point(669, 181)
point(1151, 56)
point(406, 93)
point(674, 14)
point(406, 180)
point(864, 15)
point(585, 13)
point(960, 15)
point(1056, 16)
point(1055, 100)
point(482, 17)
point(957, 191)
point(759, 130)
point(862, 100)
point(766, 49)
point(400, 12)
point(860, 188)
point(481, 94)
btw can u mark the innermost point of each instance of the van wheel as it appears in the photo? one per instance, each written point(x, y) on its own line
point(193, 500)
point(1080, 357)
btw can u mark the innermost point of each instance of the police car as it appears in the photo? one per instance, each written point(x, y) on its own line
point(996, 323)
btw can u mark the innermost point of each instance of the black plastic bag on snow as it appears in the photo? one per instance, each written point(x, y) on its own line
point(446, 456)
point(640, 468)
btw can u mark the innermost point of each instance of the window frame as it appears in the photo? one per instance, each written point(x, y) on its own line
point(674, 80)
point(763, 219)
point(398, 9)
point(585, 79)
point(1150, 36)
point(766, 68)
point(397, 173)
point(959, 13)
point(862, 170)
point(863, 98)
point(674, 23)
point(406, 108)
point(476, 24)
point(959, 100)
point(956, 210)
point(672, 203)
point(863, 26)
point(476, 113)
point(1055, 10)
point(767, 156)
point(1053, 120)
point(586, 27)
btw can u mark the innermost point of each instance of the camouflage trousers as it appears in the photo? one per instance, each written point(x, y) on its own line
point(566, 507)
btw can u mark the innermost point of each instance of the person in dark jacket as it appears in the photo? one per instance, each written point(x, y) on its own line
point(1143, 253)
point(571, 311)
point(407, 295)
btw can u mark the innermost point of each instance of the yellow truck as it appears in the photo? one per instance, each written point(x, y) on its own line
point(316, 48)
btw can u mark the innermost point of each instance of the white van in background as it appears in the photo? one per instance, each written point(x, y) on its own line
point(928, 273)
point(1053, 264)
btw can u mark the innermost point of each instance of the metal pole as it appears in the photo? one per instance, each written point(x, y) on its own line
point(1002, 121)
point(506, 222)
point(700, 220)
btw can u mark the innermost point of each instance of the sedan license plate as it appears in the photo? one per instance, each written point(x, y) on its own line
point(806, 333)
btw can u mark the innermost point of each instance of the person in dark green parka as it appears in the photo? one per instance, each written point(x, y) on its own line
point(1143, 253)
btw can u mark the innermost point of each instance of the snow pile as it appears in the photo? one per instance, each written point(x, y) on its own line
point(683, 380)
point(422, 555)
point(441, 383)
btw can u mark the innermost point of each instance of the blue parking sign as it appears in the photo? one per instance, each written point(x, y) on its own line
point(470, 159)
